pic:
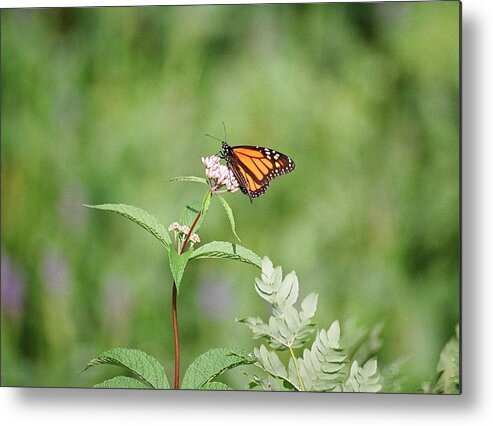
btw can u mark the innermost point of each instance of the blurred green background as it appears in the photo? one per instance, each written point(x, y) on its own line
point(103, 105)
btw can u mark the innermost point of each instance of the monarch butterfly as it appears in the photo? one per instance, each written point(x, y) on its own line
point(255, 166)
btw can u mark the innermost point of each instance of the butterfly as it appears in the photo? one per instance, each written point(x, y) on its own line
point(254, 166)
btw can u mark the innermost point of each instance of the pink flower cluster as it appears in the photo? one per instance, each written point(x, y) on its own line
point(184, 230)
point(219, 173)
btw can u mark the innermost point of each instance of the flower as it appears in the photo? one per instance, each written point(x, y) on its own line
point(194, 238)
point(183, 231)
point(175, 226)
point(219, 174)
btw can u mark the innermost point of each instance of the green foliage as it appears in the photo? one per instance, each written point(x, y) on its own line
point(147, 370)
point(189, 179)
point(177, 261)
point(287, 327)
point(122, 382)
point(177, 264)
point(215, 386)
point(323, 367)
point(149, 373)
point(201, 373)
point(226, 250)
point(231, 218)
point(141, 218)
point(447, 376)
point(363, 379)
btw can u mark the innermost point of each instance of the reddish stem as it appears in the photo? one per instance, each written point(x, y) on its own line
point(174, 311)
point(185, 242)
point(176, 339)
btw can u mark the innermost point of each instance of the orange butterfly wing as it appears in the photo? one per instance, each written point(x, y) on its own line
point(254, 167)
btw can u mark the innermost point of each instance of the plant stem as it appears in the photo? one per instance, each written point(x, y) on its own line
point(185, 241)
point(293, 357)
point(174, 311)
point(176, 339)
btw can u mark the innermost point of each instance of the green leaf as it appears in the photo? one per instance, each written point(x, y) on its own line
point(216, 386)
point(226, 250)
point(229, 213)
point(122, 382)
point(309, 307)
point(256, 325)
point(363, 379)
point(448, 375)
point(189, 213)
point(210, 364)
point(206, 202)
point(146, 368)
point(269, 282)
point(188, 179)
point(177, 264)
point(287, 294)
point(270, 363)
point(321, 366)
point(142, 218)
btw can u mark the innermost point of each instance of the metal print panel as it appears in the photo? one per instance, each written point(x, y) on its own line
point(238, 197)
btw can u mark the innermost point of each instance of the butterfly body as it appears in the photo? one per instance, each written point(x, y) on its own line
point(254, 166)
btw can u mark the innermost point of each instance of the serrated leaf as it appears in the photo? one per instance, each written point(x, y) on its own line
point(226, 250)
point(142, 218)
point(212, 363)
point(177, 264)
point(216, 386)
point(188, 179)
point(122, 382)
point(229, 213)
point(146, 368)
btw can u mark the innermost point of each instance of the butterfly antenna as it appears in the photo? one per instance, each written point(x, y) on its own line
point(224, 127)
point(213, 137)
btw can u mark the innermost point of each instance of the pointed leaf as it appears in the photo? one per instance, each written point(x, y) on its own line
point(225, 250)
point(309, 307)
point(270, 362)
point(177, 264)
point(145, 367)
point(122, 382)
point(212, 363)
point(142, 218)
point(188, 179)
point(229, 213)
point(363, 379)
point(216, 386)
point(288, 291)
point(334, 334)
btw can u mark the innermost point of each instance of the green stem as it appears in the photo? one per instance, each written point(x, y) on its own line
point(302, 386)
